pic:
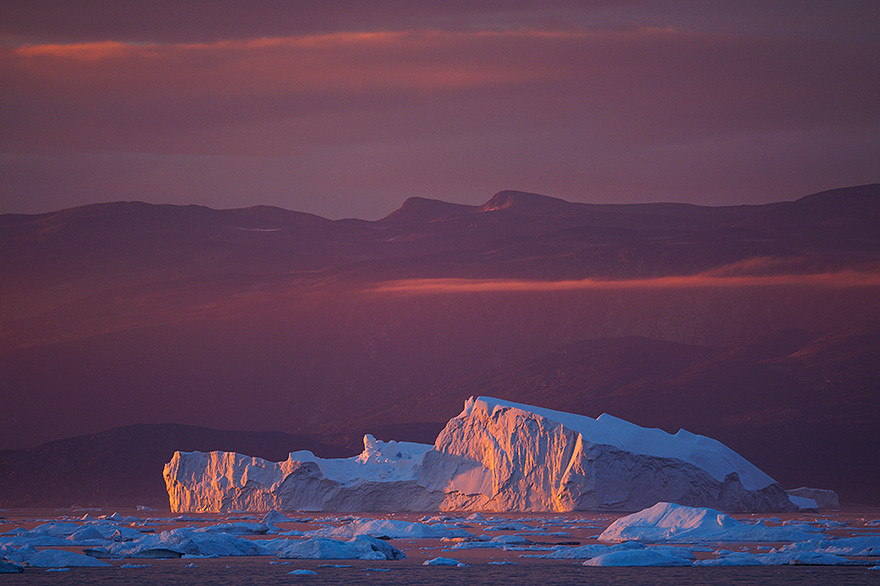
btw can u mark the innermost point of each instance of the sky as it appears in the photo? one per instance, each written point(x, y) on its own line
point(345, 109)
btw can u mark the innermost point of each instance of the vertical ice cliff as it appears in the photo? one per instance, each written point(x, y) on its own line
point(499, 456)
point(495, 456)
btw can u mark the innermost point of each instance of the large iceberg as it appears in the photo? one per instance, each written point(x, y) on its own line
point(494, 456)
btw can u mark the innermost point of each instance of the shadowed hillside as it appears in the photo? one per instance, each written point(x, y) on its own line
point(123, 467)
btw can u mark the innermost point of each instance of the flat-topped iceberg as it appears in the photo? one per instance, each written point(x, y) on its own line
point(494, 456)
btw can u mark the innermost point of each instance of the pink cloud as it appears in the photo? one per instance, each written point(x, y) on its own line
point(836, 280)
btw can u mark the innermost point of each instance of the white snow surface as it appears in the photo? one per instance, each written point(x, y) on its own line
point(379, 462)
point(668, 522)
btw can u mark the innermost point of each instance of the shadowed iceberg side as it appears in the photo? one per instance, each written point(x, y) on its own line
point(494, 456)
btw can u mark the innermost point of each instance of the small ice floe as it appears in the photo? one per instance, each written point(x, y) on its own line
point(445, 519)
point(439, 561)
point(87, 534)
point(183, 542)
point(273, 517)
point(135, 565)
point(512, 526)
point(58, 570)
point(778, 558)
point(504, 563)
point(334, 566)
point(389, 528)
point(10, 568)
point(302, 573)
point(477, 545)
point(238, 528)
point(861, 546)
point(676, 523)
point(584, 552)
point(361, 547)
point(649, 556)
point(54, 558)
point(191, 565)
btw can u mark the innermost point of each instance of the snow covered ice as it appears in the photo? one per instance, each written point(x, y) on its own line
point(662, 535)
point(665, 522)
point(494, 456)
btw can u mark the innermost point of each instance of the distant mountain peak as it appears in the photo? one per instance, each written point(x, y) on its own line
point(522, 201)
point(422, 209)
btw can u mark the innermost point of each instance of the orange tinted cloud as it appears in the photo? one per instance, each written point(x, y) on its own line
point(345, 60)
point(841, 279)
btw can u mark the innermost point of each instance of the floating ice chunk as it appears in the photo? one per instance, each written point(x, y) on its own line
point(361, 547)
point(796, 554)
point(189, 542)
point(585, 552)
point(512, 526)
point(733, 558)
point(389, 528)
point(639, 557)
point(237, 528)
point(58, 558)
point(53, 529)
point(439, 561)
point(860, 546)
point(512, 539)
point(86, 533)
point(10, 568)
point(302, 573)
point(478, 545)
point(671, 522)
point(274, 516)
